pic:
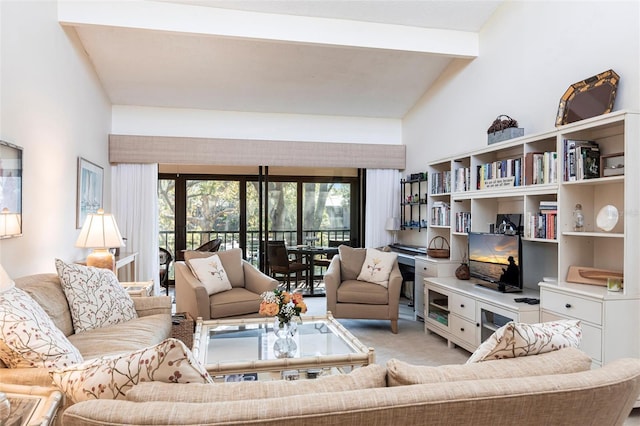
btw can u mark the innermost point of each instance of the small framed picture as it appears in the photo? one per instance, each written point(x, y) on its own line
point(612, 164)
point(90, 185)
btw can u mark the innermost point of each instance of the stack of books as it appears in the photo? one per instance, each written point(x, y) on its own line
point(440, 214)
point(544, 224)
point(581, 160)
point(540, 168)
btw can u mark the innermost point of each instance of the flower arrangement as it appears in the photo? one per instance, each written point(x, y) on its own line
point(282, 304)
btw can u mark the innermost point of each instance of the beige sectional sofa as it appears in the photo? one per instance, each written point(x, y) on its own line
point(152, 326)
point(549, 389)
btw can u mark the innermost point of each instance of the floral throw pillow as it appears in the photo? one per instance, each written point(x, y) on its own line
point(377, 267)
point(29, 338)
point(96, 298)
point(110, 377)
point(518, 339)
point(211, 274)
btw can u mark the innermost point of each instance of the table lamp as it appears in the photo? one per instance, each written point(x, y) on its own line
point(10, 223)
point(100, 232)
point(393, 225)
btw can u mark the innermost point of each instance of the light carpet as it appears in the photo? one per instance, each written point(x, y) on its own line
point(411, 344)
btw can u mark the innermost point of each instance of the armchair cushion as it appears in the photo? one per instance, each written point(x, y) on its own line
point(211, 273)
point(237, 301)
point(231, 262)
point(351, 260)
point(377, 266)
point(362, 292)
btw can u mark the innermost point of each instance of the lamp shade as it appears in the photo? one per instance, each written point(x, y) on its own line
point(10, 223)
point(100, 230)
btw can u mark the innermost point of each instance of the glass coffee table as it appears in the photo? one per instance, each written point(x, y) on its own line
point(242, 349)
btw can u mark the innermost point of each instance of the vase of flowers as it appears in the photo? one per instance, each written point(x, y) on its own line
point(286, 308)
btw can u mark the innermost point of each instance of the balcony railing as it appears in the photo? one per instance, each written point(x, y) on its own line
point(231, 239)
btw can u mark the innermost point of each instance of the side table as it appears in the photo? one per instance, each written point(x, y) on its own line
point(138, 289)
point(32, 405)
point(183, 327)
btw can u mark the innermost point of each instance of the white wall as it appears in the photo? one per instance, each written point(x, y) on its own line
point(52, 105)
point(530, 53)
point(137, 120)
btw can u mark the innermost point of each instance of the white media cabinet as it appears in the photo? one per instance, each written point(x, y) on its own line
point(610, 320)
point(467, 314)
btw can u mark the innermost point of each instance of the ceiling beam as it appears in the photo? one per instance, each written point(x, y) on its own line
point(189, 19)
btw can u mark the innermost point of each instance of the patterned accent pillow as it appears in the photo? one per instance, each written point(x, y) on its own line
point(110, 377)
point(377, 267)
point(96, 298)
point(29, 337)
point(518, 339)
point(211, 274)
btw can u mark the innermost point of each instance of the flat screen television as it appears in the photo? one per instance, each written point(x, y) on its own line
point(494, 259)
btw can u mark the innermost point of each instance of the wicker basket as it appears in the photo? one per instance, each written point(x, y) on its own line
point(437, 247)
point(183, 328)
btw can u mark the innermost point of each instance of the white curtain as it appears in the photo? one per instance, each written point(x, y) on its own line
point(134, 200)
point(383, 203)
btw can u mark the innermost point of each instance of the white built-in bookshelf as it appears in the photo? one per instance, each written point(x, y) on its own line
point(543, 177)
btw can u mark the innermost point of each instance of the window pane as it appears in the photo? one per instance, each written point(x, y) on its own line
point(283, 218)
point(253, 235)
point(327, 212)
point(166, 215)
point(213, 211)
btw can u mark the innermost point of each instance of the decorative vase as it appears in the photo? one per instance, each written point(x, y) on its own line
point(462, 272)
point(285, 346)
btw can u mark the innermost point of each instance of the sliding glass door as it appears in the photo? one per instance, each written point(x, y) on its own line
point(195, 209)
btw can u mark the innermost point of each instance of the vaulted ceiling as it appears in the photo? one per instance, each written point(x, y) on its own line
point(371, 58)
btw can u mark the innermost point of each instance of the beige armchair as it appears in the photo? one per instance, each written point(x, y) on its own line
point(243, 299)
point(349, 298)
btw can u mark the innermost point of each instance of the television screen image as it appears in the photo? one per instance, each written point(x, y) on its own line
point(495, 260)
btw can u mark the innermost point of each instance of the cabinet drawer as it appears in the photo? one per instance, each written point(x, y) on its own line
point(572, 306)
point(463, 306)
point(426, 269)
point(463, 329)
point(591, 342)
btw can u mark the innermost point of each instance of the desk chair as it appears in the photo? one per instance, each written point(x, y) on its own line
point(279, 263)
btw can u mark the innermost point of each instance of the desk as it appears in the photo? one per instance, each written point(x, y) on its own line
point(309, 254)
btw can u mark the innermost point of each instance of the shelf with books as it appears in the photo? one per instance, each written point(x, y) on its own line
point(552, 253)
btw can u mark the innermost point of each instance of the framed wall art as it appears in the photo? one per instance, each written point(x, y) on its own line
point(10, 190)
point(90, 185)
point(588, 98)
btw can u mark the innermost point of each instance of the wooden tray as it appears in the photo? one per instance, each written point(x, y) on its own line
point(593, 276)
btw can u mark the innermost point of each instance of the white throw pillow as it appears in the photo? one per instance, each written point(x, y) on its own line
point(519, 339)
point(377, 267)
point(110, 377)
point(96, 298)
point(29, 337)
point(210, 272)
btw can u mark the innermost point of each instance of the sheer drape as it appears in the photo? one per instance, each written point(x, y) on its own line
point(383, 202)
point(134, 200)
